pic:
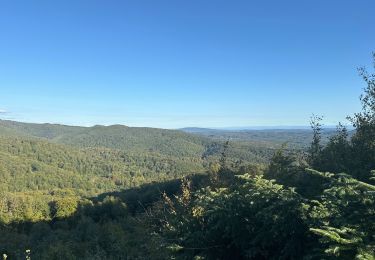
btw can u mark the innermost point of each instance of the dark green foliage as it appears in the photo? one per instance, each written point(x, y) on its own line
point(357, 153)
point(224, 154)
point(283, 167)
point(363, 142)
point(336, 155)
point(253, 219)
point(344, 217)
point(316, 143)
point(100, 230)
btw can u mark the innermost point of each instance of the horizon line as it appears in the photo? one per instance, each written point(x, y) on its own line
point(224, 128)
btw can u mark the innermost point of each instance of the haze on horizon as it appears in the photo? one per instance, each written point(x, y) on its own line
point(175, 64)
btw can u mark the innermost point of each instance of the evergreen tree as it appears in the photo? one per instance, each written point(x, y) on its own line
point(316, 145)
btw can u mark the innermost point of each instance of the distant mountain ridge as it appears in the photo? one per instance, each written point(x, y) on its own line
point(187, 141)
point(296, 138)
point(253, 128)
point(141, 140)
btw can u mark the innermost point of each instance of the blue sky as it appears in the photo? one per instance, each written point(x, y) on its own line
point(171, 64)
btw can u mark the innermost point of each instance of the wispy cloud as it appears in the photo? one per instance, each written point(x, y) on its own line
point(2, 111)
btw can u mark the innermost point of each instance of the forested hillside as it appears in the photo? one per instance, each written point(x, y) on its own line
point(40, 163)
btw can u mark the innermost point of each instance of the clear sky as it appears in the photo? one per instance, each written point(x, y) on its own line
point(170, 64)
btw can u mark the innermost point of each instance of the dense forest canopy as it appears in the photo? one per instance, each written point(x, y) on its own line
point(138, 193)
